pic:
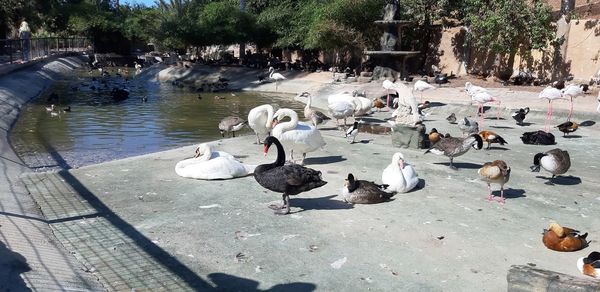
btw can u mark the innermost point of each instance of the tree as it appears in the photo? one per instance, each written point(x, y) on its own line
point(509, 27)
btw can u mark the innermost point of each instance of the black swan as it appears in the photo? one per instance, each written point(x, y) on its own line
point(289, 179)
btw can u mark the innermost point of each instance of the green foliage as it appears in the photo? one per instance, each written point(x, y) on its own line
point(508, 26)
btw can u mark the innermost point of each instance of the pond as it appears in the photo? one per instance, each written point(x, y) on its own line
point(98, 129)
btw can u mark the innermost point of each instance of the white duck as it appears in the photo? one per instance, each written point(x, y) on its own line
point(296, 136)
point(260, 119)
point(210, 165)
point(399, 175)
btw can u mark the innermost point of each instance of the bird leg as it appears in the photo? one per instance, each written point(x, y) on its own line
point(502, 200)
point(498, 112)
point(285, 209)
point(278, 207)
point(452, 166)
point(388, 98)
point(548, 114)
point(233, 133)
point(480, 111)
point(570, 110)
point(257, 139)
point(303, 157)
point(488, 147)
point(490, 196)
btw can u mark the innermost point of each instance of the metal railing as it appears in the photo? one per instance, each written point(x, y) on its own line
point(20, 50)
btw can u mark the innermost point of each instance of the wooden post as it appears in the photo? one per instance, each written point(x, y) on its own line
point(526, 278)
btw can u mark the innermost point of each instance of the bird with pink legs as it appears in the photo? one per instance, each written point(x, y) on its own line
point(387, 84)
point(550, 93)
point(572, 91)
point(481, 96)
point(421, 86)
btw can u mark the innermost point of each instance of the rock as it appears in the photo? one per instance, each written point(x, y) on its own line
point(405, 136)
point(380, 73)
point(525, 278)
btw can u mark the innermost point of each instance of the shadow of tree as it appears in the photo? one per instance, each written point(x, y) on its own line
point(12, 264)
point(226, 282)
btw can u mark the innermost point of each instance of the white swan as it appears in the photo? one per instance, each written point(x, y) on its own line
point(260, 119)
point(399, 175)
point(296, 136)
point(212, 165)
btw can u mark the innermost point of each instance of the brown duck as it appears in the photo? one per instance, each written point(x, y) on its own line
point(560, 238)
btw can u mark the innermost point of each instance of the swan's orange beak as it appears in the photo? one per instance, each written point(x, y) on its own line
point(274, 123)
point(401, 163)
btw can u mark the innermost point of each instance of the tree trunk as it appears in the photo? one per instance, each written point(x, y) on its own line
point(563, 27)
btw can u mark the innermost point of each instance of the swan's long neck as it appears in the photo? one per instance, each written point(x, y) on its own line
point(271, 71)
point(270, 113)
point(206, 154)
point(396, 165)
point(280, 161)
point(309, 103)
point(286, 126)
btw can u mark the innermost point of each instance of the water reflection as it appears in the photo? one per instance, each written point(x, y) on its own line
point(98, 129)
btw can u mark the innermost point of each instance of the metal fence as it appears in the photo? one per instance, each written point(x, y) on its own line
point(20, 50)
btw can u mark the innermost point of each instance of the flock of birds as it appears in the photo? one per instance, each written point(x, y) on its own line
point(292, 177)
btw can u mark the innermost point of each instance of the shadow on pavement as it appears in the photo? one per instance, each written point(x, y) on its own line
point(460, 165)
point(324, 159)
point(12, 264)
point(323, 203)
point(561, 180)
point(225, 282)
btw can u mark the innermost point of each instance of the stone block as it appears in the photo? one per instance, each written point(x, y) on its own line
point(405, 136)
point(362, 79)
point(525, 278)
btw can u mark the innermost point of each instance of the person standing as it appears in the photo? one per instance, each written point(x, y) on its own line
point(25, 35)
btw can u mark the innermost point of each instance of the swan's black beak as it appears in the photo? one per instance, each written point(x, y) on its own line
point(535, 168)
point(197, 152)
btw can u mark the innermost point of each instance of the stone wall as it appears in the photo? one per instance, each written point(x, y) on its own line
point(583, 53)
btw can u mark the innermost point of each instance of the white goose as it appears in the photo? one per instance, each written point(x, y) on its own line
point(399, 175)
point(296, 136)
point(260, 119)
point(210, 165)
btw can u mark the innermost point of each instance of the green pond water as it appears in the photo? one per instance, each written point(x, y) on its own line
point(98, 129)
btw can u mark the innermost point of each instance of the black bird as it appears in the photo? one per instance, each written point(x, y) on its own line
point(289, 179)
point(451, 118)
point(199, 96)
point(520, 115)
point(53, 97)
point(67, 109)
point(441, 79)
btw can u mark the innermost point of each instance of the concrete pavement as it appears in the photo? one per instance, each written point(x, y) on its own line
point(133, 223)
point(442, 237)
point(30, 255)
